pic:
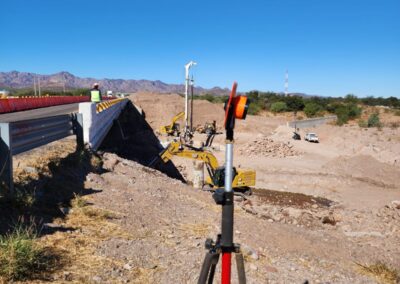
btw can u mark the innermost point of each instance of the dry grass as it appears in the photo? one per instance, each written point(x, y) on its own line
point(381, 272)
point(90, 226)
point(394, 125)
point(196, 229)
point(99, 214)
point(40, 161)
point(78, 201)
point(87, 225)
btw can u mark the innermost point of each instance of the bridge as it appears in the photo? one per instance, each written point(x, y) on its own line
point(21, 131)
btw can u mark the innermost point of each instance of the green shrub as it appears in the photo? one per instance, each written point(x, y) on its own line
point(19, 255)
point(312, 109)
point(345, 112)
point(342, 115)
point(278, 107)
point(353, 110)
point(254, 108)
point(373, 120)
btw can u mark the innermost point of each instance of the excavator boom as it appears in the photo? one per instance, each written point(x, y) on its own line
point(242, 178)
point(172, 127)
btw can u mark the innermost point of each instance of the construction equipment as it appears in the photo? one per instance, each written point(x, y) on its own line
point(173, 129)
point(208, 128)
point(242, 179)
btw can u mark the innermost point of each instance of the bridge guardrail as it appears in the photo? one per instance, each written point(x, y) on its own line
point(90, 125)
point(21, 136)
point(26, 103)
point(312, 122)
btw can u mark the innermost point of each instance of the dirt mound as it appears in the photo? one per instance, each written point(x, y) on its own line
point(267, 147)
point(290, 208)
point(365, 168)
point(292, 199)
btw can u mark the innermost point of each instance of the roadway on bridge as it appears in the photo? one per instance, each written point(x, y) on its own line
point(39, 113)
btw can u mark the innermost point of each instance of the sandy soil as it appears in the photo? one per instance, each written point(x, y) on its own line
point(319, 211)
point(358, 169)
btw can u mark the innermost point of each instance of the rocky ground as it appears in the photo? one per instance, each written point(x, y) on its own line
point(326, 213)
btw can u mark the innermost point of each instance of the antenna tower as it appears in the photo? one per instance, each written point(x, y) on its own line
point(286, 83)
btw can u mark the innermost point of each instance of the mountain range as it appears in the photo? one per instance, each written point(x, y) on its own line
point(61, 80)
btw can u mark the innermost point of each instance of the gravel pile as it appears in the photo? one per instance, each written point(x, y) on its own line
point(267, 147)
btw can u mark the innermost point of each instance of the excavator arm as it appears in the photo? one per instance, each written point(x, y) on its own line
point(176, 149)
point(242, 178)
point(169, 129)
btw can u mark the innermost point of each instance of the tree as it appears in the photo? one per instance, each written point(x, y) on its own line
point(350, 98)
point(311, 109)
point(278, 107)
point(294, 103)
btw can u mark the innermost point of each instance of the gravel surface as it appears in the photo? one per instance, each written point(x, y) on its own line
point(320, 211)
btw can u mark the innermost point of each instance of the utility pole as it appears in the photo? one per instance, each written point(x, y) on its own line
point(34, 85)
point(39, 86)
point(187, 83)
point(286, 83)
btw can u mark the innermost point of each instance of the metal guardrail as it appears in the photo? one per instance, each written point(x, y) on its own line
point(106, 104)
point(312, 122)
point(18, 137)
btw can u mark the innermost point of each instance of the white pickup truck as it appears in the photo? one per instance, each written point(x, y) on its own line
point(311, 137)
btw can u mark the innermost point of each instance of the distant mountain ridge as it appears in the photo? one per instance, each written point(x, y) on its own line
point(18, 80)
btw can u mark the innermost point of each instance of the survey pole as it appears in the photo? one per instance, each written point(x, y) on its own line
point(187, 83)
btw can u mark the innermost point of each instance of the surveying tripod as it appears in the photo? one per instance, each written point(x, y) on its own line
point(236, 107)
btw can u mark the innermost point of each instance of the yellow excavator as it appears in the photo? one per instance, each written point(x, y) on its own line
point(173, 128)
point(243, 179)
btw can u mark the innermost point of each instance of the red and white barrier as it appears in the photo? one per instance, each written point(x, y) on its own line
point(20, 104)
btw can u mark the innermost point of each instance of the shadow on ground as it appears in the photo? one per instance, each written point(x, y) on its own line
point(41, 200)
point(131, 137)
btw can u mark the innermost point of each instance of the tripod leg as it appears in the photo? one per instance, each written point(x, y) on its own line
point(214, 263)
point(208, 268)
point(240, 268)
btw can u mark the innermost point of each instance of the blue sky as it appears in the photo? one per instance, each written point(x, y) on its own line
point(330, 47)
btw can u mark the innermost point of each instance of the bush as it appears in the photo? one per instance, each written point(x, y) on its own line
point(19, 255)
point(353, 110)
point(345, 112)
point(278, 107)
point(342, 116)
point(311, 109)
point(254, 108)
point(373, 120)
